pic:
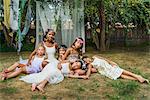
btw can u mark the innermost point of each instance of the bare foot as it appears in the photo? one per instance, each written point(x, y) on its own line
point(33, 87)
point(4, 76)
point(141, 79)
point(40, 88)
point(5, 71)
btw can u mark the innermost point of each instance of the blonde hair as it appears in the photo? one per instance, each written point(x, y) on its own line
point(41, 45)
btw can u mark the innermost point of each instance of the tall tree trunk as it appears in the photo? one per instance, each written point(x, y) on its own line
point(102, 26)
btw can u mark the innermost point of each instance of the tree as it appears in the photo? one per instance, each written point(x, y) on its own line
point(102, 26)
point(97, 9)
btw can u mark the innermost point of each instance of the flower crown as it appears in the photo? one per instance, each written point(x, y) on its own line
point(81, 41)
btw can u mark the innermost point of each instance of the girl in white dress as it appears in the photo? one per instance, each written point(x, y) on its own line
point(111, 69)
point(50, 72)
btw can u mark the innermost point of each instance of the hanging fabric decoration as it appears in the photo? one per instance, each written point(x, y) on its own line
point(14, 12)
point(27, 21)
point(19, 25)
point(72, 22)
point(46, 18)
point(67, 22)
point(7, 13)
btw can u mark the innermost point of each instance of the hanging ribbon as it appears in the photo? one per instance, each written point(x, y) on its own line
point(14, 13)
point(6, 13)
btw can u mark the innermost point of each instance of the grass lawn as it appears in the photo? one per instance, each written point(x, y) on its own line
point(96, 88)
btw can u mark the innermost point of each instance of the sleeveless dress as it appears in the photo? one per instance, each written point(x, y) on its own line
point(35, 66)
point(73, 57)
point(65, 69)
point(104, 68)
point(50, 72)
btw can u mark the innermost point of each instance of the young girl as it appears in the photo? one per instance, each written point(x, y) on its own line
point(112, 70)
point(29, 66)
point(61, 52)
point(67, 69)
point(75, 51)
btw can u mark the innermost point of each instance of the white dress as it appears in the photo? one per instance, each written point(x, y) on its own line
point(106, 69)
point(50, 72)
point(65, 69)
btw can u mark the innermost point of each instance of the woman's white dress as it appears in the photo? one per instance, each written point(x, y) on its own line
point(106, 69)
point(50, 72)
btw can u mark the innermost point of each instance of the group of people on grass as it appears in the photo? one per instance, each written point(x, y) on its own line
point(42, 66)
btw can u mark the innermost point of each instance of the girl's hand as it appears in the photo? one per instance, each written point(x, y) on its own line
point(113, 64)
point(59, 66)
point(29, 63)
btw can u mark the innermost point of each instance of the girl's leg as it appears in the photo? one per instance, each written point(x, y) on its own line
point(16, 73)
point(42, 85)
point(33, 87)
point(138, 77)
point(11, 68)
point(127, 77)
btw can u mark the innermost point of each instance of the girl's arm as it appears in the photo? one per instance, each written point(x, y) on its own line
point(56, 45)
point(29, 62)
point(32, 54)
point(66, 54)
point(88, 73)
point(76, 76)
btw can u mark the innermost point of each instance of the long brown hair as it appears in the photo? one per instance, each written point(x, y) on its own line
point(78, 49)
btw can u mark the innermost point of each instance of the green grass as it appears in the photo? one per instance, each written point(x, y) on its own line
point(123, 90)
point(38, 97)
point(8, 90)
point(98, 87)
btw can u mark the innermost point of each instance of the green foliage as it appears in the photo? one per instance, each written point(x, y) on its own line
point(123, 11)
point(25, 47)
point(5, 48)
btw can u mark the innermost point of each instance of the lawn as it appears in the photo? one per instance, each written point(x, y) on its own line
point(96, 88)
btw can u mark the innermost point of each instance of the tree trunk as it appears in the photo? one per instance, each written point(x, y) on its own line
point(102, 26)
